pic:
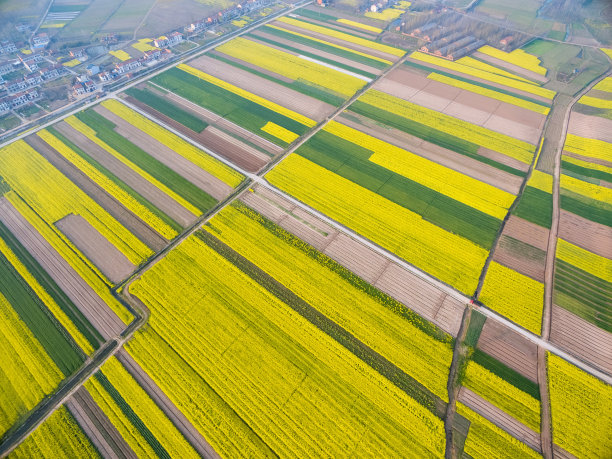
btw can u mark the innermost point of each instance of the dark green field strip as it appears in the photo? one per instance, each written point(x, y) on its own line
point(522, 249)
point(535, 206)
point(352, 162)
point(429, 134)
point(113, 178)
point(132, 416)
point(476, 83)
point(506, 373)
point(52, 336)
point(584, 172)
point(591, 209)
point(166, 107)
point(315, 15)
point(176, 182)
point(379, 363)
point(314, 56)
point(51, 287)
point(4, 187)
point(327, 48)
point(585, 295)
point(318, 92)
point(477, 321)
point(232, 107)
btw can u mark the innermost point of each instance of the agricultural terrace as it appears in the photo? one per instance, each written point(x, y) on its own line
point(312, 346)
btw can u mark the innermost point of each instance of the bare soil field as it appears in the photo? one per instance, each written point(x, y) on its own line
point(589, 235)
point(134, 180)
point(528, 267)
point(337, 41)
point(270, 73)
point(82, 295)
point(585, 158)
point(581, 338)
point(293, 100)
point(175, 415)
point(514, 129)
point(136, 226)
point(468, 166)
point(434, 68)
point(109, 260)
point(417, 294)
point(500, 418)
point(97, 426)
point(510, 348)
point(527, 232)
point(590, 126)
point(179, 164)
point(520, 71)
point(503, 159)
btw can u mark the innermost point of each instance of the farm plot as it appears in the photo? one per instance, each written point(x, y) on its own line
point(136, 417)
point(245, 109)
point(518, 61)
point(581, 409)
point(341, 158)
point(58, 436)
point(281, 385)
point(341, 20)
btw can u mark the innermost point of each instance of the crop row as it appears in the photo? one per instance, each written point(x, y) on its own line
point(58, 436)
point(514, 295)
point(585, 170)
point(591, 148)
point(517, 57)
point(452, 259)
point(583, 259)
point(581, 409)
point(359, 25)
point(596, 102)
point(588, 189)
point(309, 275)
point(517, 149)
point(53, 196)
point(299, 390)
point(604, 85)
point(511, 81)
point(291, 66)
point(280, 132)
point(472, 192)
point(493, 94)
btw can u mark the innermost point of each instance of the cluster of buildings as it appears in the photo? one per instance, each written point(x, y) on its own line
point(226, 15)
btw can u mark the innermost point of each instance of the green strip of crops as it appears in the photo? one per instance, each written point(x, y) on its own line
point(591, 209)
point(167, 108)
point(232, 107)
point(585, 173)
point(58, 295)
point(352, 162)
point(105, 131)
point(112, 177)
point(429, 134)
point(132, 416)
point(53, 337)
point(535, 206)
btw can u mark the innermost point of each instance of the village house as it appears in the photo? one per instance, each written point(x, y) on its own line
point(85, 87)
point(7, 47)
point(126, 66)
point(40, 41)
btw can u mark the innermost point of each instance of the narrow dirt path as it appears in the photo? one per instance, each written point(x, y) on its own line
point(549, 278)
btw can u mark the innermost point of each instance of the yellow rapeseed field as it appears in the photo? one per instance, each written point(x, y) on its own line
point(303, 393)
point(291, 66)
point(604, 85)
point(596, 102)
point(465, 189)
point(198, 157)
point(480, 65)
point(55, 309)
point(334, 45)
point(109, 186)
point(514, 295)
point(53, 196)
point(388, 14)
point(581, 410)
point(541, 180)
point(503, 395)
point(279, 132)
point(514, 148)
point(120, 54)
point(490, 93)
point(587, 164)
point(486, 440)
point(450, 258)
point(415, 352)
point(588, 189)
point(590, 148)
point(590, 262)
point(344, 36)
point(64, 247)
point(27, 372)
point(247, 95)
point(58, 436)
point(359, 25)
point(517, 57)
point(88, 132)
point(511, 82)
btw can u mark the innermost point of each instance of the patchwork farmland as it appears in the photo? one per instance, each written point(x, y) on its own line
point(308, 241)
